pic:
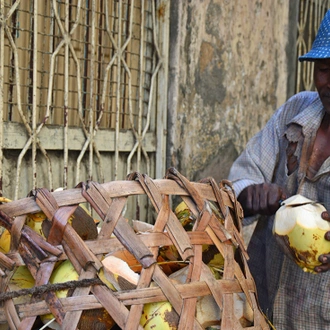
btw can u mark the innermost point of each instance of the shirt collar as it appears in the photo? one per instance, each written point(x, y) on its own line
point(309, 119)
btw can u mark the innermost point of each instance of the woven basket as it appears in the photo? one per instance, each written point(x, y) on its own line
point(89, 294)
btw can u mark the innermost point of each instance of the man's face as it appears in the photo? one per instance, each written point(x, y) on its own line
point(322, 81)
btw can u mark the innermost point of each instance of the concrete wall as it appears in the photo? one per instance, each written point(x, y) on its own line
point(232, 63)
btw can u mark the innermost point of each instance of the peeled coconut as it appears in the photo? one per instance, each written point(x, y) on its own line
point(300, 230)
point(119, 274)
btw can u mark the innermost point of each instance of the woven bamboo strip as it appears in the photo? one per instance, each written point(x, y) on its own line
point(11, 315)
point(132, 297)
point(113, 245)
point(114, 189)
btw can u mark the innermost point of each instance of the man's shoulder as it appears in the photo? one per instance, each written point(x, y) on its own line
point(300, 104)
point(304, 98)
point(302, 108)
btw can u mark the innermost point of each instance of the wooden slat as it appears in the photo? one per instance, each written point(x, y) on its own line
point(137, 296)
point(113, 244)
point(114, 188)
point(11, 315)
point(52, 138)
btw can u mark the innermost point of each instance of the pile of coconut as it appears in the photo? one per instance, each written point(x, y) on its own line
point(121, 271)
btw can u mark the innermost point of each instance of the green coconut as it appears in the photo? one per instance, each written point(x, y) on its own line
point(300, 230)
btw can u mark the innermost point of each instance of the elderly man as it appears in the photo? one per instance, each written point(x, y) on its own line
point(290, 155)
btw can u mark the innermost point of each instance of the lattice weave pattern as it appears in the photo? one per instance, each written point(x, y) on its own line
point(154, 285)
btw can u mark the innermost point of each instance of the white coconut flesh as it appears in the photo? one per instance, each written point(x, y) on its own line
point(299, 225)
point(305, 215)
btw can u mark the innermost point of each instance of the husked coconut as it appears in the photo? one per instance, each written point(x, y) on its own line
point(119, 274)
point(300, 230)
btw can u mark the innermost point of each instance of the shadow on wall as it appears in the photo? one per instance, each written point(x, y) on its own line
point(218, 167)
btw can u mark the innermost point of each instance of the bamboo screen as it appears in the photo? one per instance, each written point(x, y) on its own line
point(92, 70)
point(311, 13)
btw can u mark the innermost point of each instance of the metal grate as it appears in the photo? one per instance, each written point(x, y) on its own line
point(311, 13)
point(84, 76)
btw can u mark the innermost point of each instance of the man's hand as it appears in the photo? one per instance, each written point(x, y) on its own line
point(324, 258)
point(261, 198)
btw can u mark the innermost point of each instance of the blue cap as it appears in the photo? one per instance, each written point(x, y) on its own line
point(321, 45)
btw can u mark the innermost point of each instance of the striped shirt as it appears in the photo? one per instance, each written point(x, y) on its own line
point(291, 298)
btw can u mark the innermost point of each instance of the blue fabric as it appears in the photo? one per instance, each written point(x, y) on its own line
point(321, 45)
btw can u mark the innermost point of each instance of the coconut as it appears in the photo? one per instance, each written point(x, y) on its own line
point(159, 315)
point(64, 272)
point(21, 279)
point(90, 319)
point(300, 230)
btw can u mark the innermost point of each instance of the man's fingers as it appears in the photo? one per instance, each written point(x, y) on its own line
point(327, 235)
point(325, 215)
point(322, 268)
point(261, 198)
point(325, 259)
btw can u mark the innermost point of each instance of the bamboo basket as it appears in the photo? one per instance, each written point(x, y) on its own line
point(125, 307)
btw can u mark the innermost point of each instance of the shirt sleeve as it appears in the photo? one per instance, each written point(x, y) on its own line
point(258, 161)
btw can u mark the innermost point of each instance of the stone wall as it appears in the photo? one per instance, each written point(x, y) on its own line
point(232, 63)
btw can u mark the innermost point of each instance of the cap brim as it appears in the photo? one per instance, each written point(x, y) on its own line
point(315, 54)
point(307, 58)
